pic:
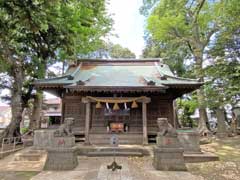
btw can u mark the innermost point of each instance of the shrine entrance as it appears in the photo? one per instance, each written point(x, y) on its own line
point(107, 115)
point(117, 120)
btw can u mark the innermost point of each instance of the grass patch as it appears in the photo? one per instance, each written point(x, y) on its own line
point(17, 175)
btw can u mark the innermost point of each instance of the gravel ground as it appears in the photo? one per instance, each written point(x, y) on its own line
point(228, 168)
point(139, 168)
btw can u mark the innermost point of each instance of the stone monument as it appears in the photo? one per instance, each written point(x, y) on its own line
point(168, 154)
point(62, 154)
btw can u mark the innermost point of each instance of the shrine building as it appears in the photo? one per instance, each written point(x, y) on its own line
point(117, 96)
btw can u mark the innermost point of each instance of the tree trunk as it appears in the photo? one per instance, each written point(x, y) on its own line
point(221, 124)
point(13, 129)
point(35, 119)
point(175, 115)
point(202, 127)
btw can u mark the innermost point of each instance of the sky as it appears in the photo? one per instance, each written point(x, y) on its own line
point(128, 24)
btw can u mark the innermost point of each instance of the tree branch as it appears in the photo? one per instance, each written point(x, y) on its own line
point(197, 10)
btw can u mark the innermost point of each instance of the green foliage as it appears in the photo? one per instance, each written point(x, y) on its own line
point(172, 54)
point(209, 30)
point(117, 51)
point(37, 33)
point(223, 85)
point(188, 107)
point(24, 130)
point(110, 50)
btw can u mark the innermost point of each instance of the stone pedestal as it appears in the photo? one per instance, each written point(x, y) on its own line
point(43, 138)
point(168, 159)
point(63, 142)
point(168, 154)
point(61, 152)
point(190, 141)
point(60, 159)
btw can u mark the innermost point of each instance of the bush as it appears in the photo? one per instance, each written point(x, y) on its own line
point(24, 130)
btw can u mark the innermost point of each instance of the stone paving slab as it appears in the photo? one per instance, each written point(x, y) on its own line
point(9, 164)
point(96, 169)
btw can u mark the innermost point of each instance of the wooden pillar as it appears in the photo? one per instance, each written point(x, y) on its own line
point(62, 110)
point(144, 118)
point(87, 122)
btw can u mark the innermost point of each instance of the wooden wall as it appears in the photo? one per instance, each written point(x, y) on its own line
point(73, 107)
point(158, 107)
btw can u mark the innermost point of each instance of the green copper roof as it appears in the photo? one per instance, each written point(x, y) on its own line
point(118, 73)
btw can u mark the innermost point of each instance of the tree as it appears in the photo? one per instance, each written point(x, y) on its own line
point(109, 50)
point(32, 33)
point(192, 23)
point(117, 51)
point(171, 53)
point(188, 107)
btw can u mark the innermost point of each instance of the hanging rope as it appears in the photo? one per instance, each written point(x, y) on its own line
point(116, 101)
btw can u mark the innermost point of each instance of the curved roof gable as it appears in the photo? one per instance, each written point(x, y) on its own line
point(99, 74)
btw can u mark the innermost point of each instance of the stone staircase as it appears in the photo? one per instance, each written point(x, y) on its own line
point(116, 151)
point(124, 138)
point(30, 155)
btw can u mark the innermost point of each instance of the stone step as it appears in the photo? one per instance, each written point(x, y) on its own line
point(200, 157)
point(118, 149)
point(112, 153)
point(79, 139)
point(127, 142)
point(28, 157)
point(124, 138)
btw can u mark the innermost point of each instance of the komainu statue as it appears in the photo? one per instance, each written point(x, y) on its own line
point(165, 128)
point(65, 129)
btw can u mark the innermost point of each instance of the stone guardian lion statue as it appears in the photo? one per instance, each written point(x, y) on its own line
point(165, 128)
point(65, 129)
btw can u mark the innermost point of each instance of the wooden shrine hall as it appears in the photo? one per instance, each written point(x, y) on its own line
point(123, 96)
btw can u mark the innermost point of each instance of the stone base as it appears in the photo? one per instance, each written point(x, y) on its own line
point(60, 159)
point(169, 159)
point(190, 141)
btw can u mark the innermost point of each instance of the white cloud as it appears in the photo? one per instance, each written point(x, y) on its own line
point(128, 24)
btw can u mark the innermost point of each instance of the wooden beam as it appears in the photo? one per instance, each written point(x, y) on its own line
point(144, 118)
point(87, 122)
point(142, 99)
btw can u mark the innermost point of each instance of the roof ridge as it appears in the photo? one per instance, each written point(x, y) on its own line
point(121, 60)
